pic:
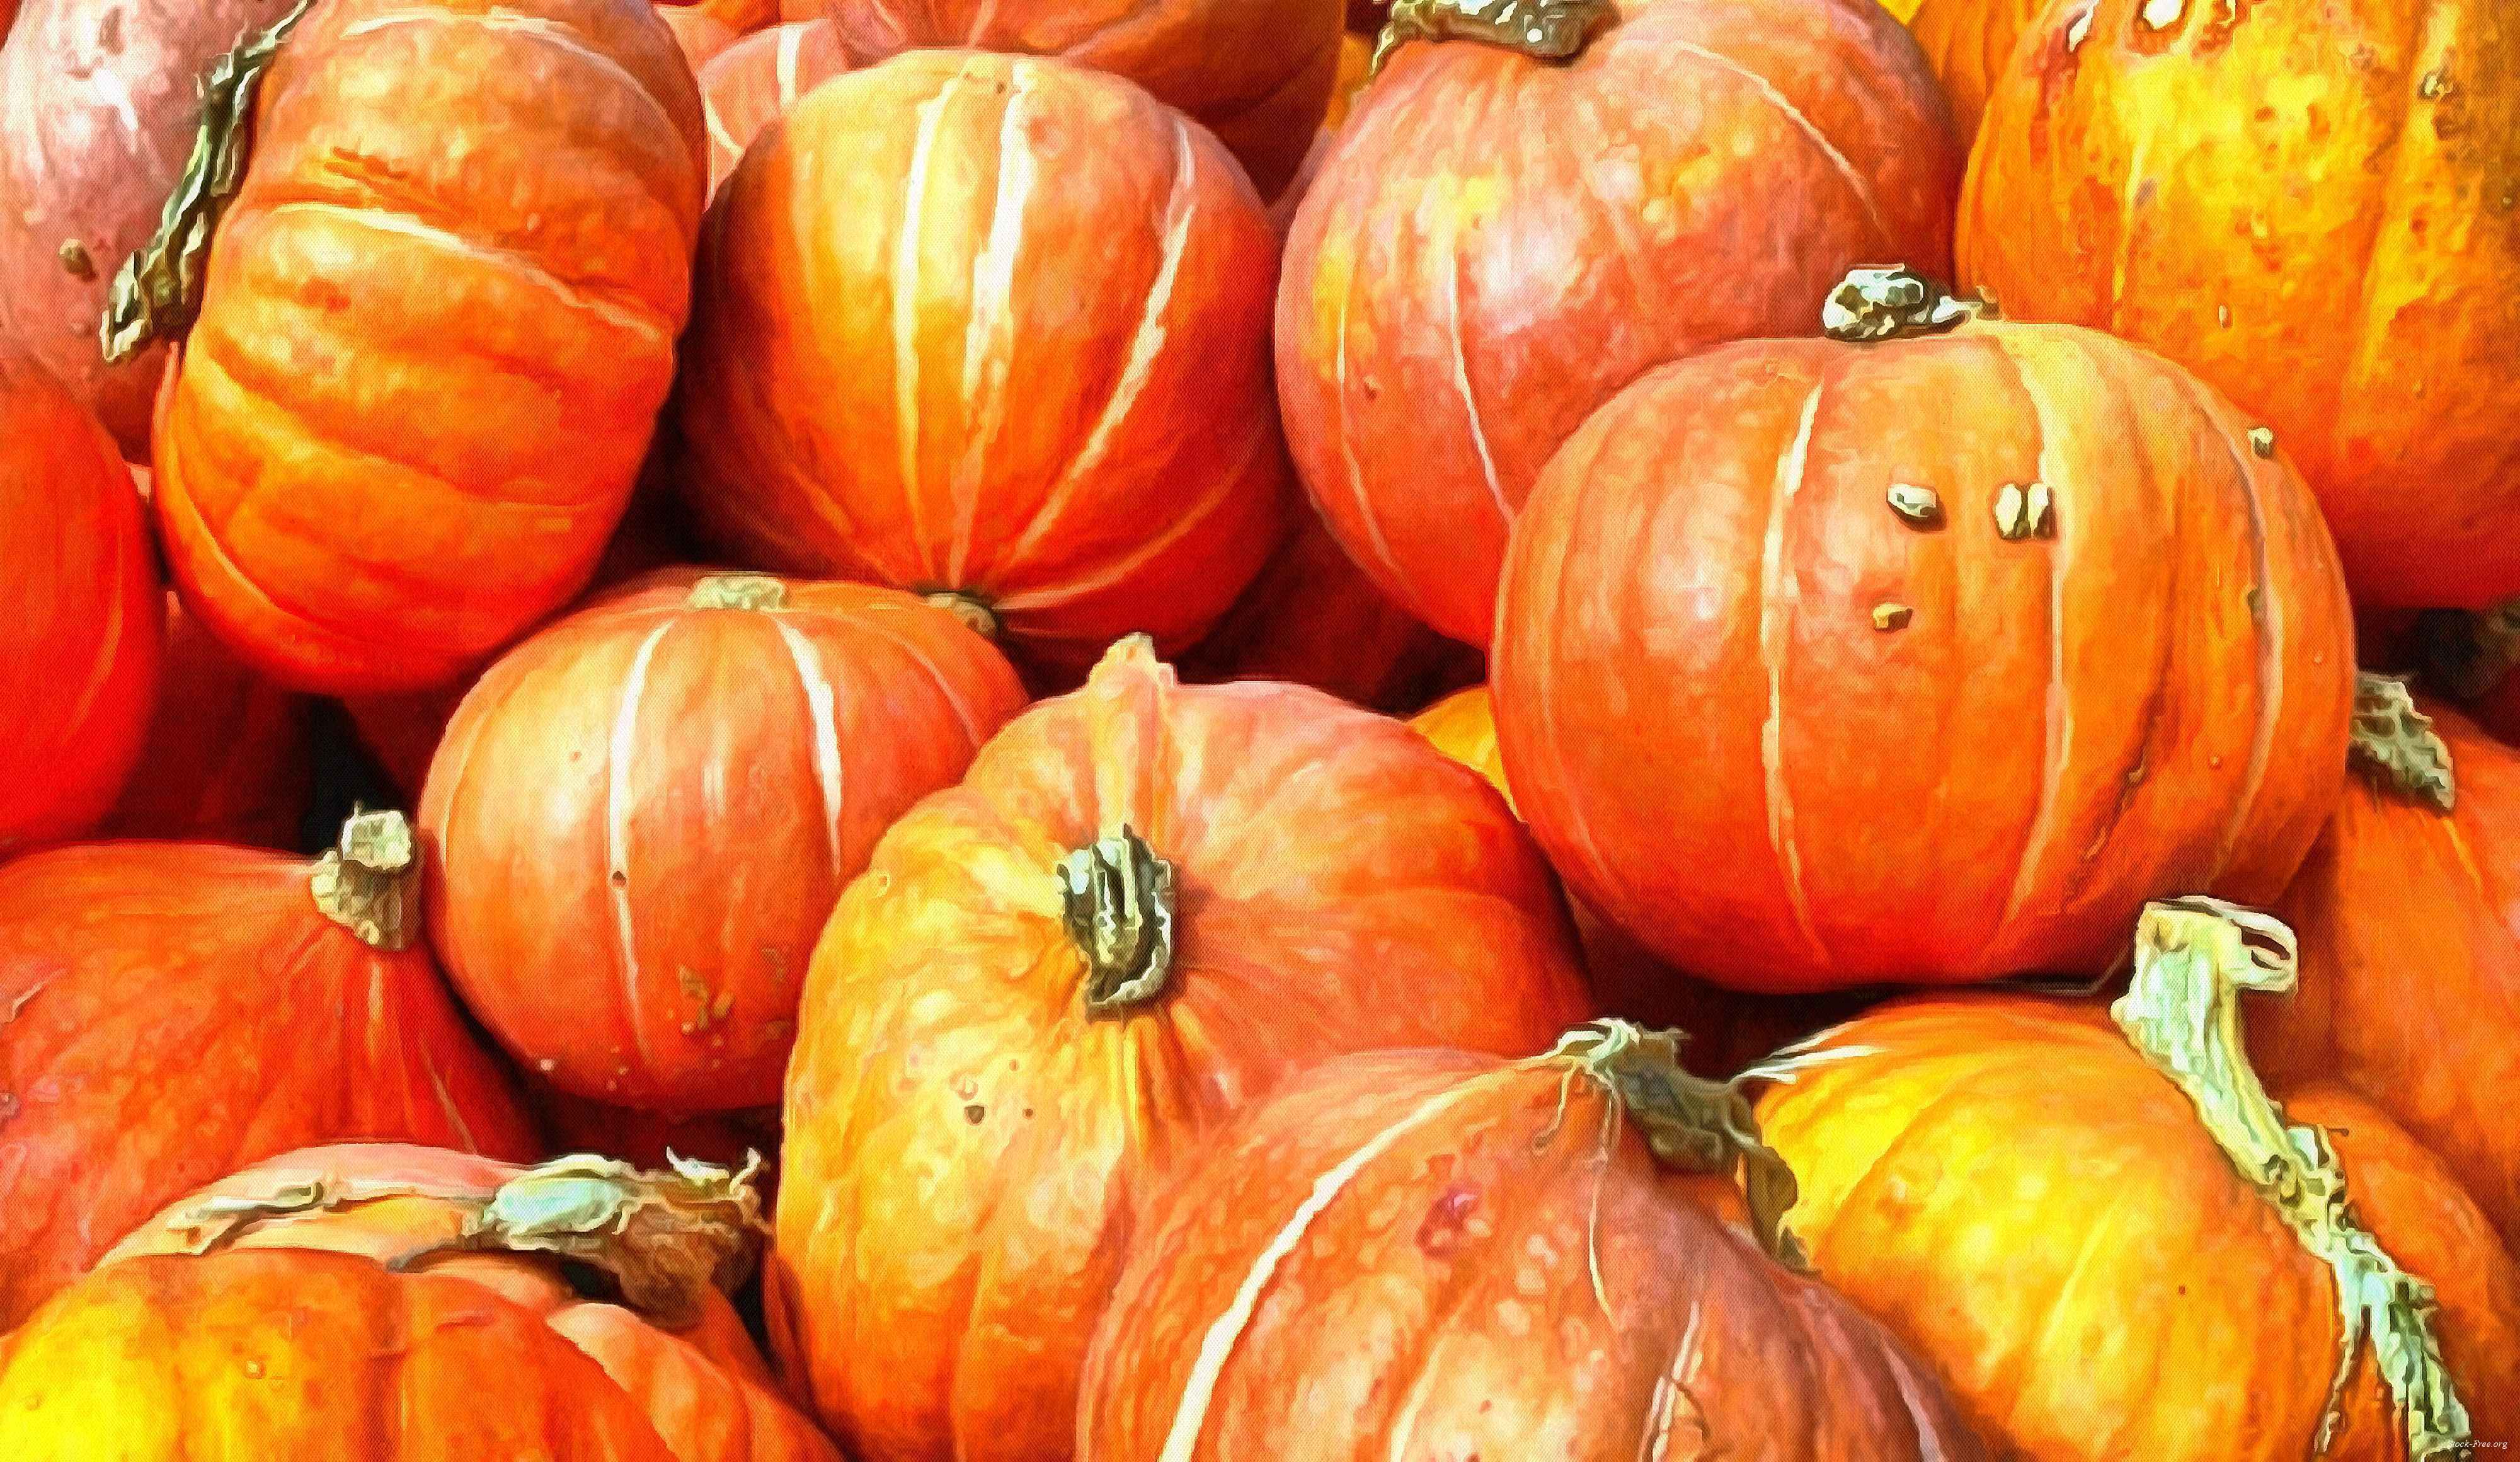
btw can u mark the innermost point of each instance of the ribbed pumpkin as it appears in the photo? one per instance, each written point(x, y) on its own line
point(1968, 43)
point(1948, 649)
point(996, 327)
point(1145, 905)
point(1498, 241)
point(2112, 1244)
point(2329, 233)
point(1428, 1254)
point(641, 816)
point(438, 321)
point(397, 1303)
point(751, 83)
point(228, 756)
point(175, 1010)
point(82, 623)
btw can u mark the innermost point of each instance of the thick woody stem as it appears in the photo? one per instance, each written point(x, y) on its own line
point(1542, 30)
point(1117, 900)
point(1879, 304)
point(2396, 745)
point(369, 882)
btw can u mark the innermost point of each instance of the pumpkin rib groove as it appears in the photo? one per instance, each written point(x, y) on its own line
point(1452, 256)
point(989, 335)
point(953, 697)
point(2057, 731)
point(1347, 429)
point(616, 833)
point(2095, 1230)
point(2268, 622)
point(1801, 122)
point(508, 22)
point(822, 708)
point(1775, 641)
point(906, 262)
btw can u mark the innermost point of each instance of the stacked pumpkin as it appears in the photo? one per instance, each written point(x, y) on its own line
point(871, 558)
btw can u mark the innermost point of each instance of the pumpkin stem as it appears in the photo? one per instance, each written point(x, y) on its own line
point(976, 613)
point(1542, 30)
point(369, 882)
point(2396, 745)
point(158, 291)
point(2193, 958)
point(1117, 901)
point(1875, 303)
point(739, 591)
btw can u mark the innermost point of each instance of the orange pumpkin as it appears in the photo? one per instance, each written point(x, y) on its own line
point(1968, 42)
point(175, 1010)
point(1948, 651)
point(1430, 1253)
point(394, 1304)
point(751, 83)
point(82, 619)
point(1496, 243)
point(1145, 905)
point(438, 321)
point(228, 756)
point(2330, 235)
point(700, 35)
point(2113, 1245)
point(642, 815)
point(995, 328)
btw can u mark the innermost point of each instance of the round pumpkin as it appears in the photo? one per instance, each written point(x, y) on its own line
point(2112, 1247)
point(1496, 243)
point(749, 83)
point(1145, 905)
point(82, 621)
point(641, 816)
point(1432, 1254)
point(438, 322)
point(229, 756)
point(1051, 295)
point(1949, 650)
point(700, 35)
point(392, 1302)
point(2330, 235)
point(1968, 42)
point(175, 1010)
point(1255, 72)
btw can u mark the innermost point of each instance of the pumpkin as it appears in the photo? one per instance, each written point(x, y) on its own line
point(700, 35)
point(1145, 905)
point(753, 80)
point(81, 617)
point(1498, 241)
point(1054, 405)
point(1431, 1253)
point(2331, 237)
point(229, 756)
point(176, 1010)
point(1968, 42)
point(742, 16)
point(1356, 58)
point(641, 816)
point(392, 1302)
point(2112, 1243)
point(477, 219)
point(1948, 648)
point(1255, 72)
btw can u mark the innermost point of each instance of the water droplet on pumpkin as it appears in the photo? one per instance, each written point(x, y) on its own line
point(253, 1369)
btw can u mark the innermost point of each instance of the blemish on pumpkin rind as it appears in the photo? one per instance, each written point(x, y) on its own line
point(1440, 1234)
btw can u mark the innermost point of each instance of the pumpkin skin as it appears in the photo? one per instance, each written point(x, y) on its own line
point(700, 35)
point(82, 623)
point(1968, 42)
point(1441, 1303)
point(229, 756)
point(2087, 721)
point(753, 82)
point(641, 816)
point(418, 202)
point(969, 1144)
point(2003, 1181)
point(1086, 447)
point(1255, 72)
point(203, 985)
point(2345, 263)
point(1464, 284)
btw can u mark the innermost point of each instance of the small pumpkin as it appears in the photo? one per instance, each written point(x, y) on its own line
point(228, 756)
point(176, 1010)
point(1147, 905)
point(1949, 641)
point(749, 83)
point(641, 816)
point(392, 1302)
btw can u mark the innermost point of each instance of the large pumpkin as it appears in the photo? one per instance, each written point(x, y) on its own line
point(2330, 234)
point(1255, 72)
point(2115, 1245)
point(438, 321)
point(397, 1303)
point(1147, 905)
point(1496, 243)
point(998, 328)
point(751, 83)
point(641, 816)
point(83, 622)
point(1430, 1253)
point(1949, 650)
point(176, 1010)
point(229, 757)
point(1968, 42)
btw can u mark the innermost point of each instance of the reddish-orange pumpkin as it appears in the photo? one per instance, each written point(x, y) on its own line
point(700, 35)
point(641, 816)
point(81, 614)
point(1430, 1253)
point(1255, 72)
point(1147, 905)
point(439, 323)
point(997, 327)
point(2328, 231)
point(1823, 664)
point(230, 758)
point(753, 82)
point(175, 1010)
point(1496, 244)
point(1968, 42)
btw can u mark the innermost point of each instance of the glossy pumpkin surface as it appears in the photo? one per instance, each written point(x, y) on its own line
point(748, 83)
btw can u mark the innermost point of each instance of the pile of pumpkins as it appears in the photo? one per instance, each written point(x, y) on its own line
point(1146, 730)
